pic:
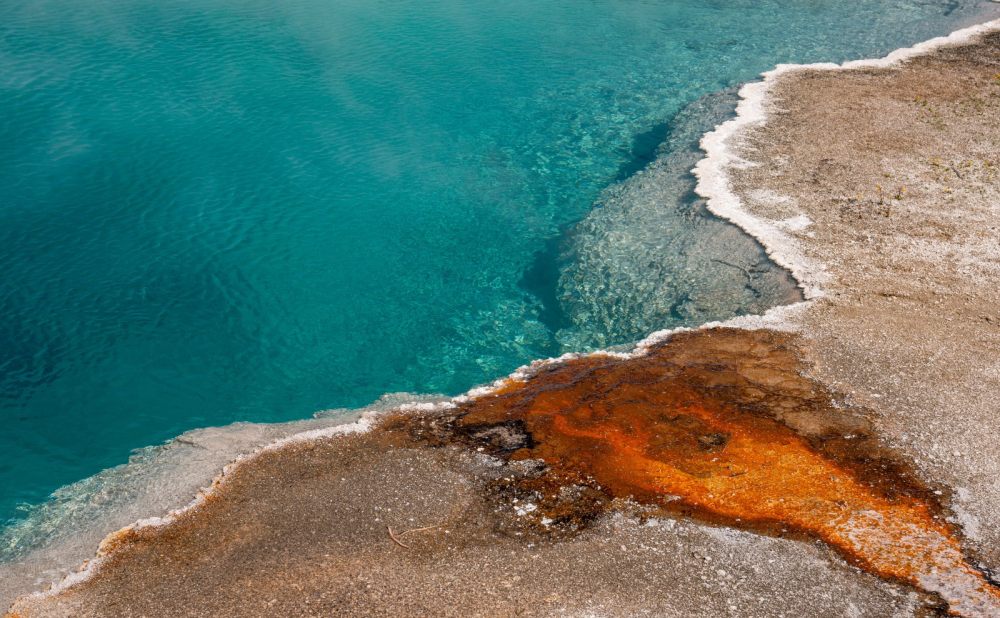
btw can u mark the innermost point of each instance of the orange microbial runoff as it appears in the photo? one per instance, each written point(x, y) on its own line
point(721, 425)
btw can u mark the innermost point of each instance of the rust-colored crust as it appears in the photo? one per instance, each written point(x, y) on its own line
point(720, 425)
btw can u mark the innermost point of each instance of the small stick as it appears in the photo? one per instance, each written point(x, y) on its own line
point(420, 529)
point(395, 540)
point(745, 271)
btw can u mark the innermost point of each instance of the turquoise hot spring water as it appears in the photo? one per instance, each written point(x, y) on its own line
point(219, 210)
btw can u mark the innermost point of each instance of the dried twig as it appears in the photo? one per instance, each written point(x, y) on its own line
point(188, 441)
point(420, 529)
point(743, 269)
point(396, 540)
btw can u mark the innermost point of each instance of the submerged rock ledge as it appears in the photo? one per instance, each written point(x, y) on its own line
point(848, 467)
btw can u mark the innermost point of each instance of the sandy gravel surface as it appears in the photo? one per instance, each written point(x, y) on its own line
point(317, 544)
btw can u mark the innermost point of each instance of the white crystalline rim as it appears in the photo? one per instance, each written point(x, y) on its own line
point(712, 171)
point(713, 184)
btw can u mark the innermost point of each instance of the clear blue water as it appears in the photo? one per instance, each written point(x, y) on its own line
point(222, 210)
